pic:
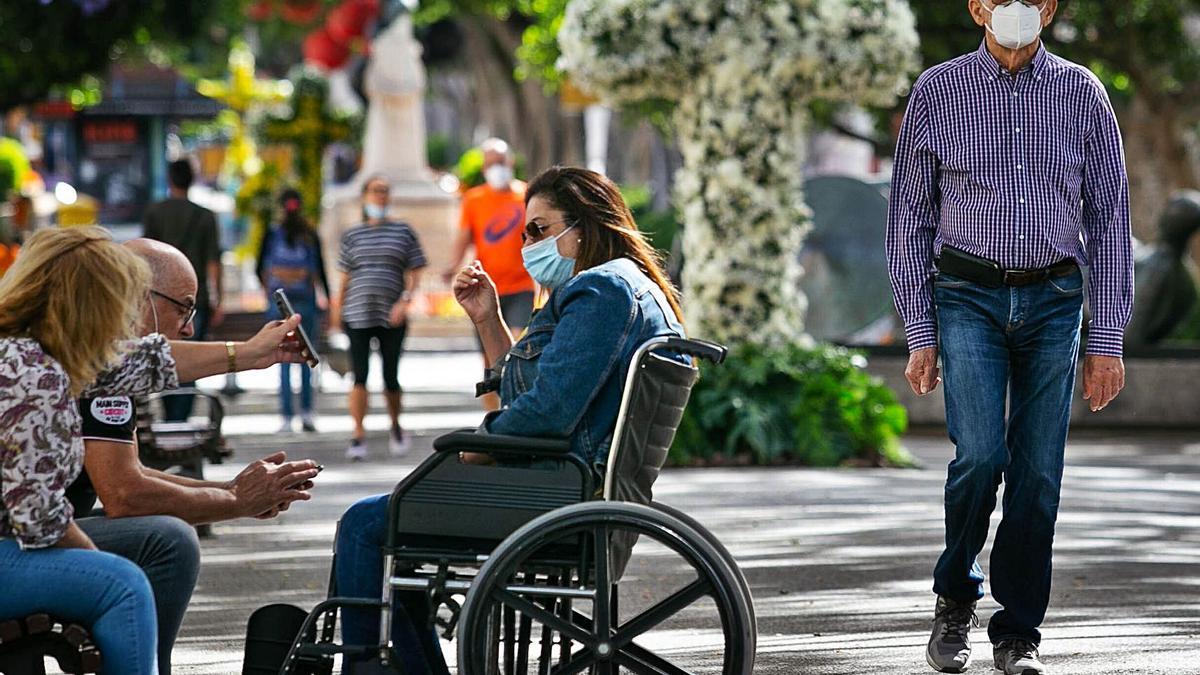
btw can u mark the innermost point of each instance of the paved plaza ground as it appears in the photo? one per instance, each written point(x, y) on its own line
point(838, 560)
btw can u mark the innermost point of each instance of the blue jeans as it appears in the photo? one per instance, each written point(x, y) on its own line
point(307, 309)
point(167, 550)
point(1014, 346)
point(102, 591)
point(359, 574)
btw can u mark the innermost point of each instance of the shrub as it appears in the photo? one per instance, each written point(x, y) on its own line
point(795, 404)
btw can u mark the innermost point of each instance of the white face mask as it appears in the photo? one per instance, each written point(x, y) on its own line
point(1016, 24)
point(499, 176)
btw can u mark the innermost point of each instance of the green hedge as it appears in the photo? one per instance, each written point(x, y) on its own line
point(799, 405)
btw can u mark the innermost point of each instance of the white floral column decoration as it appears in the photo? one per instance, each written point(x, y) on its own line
point(740, 75)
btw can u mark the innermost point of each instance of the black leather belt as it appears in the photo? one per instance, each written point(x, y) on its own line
point(987, 273)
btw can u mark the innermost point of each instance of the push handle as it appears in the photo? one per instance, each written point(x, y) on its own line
point(701, 349)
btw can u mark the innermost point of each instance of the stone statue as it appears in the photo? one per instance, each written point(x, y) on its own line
point(1166, 278)
point(394, 146)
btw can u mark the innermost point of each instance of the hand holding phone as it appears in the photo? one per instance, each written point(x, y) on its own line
point(285, 310)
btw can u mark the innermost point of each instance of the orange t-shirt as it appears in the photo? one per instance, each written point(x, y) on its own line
point(495, 221)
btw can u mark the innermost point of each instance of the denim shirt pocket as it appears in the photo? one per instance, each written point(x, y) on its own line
point(521, 364)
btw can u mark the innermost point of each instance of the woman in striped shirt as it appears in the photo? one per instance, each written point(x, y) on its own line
point(381, 262)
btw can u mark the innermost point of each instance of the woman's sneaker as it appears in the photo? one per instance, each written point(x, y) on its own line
point(1017, 657)
point(949, 649)
point(307, 423)
point(285, 425)
point(399, 443)
point(357, 452)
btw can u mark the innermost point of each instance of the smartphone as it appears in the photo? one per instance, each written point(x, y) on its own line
point(285, 310)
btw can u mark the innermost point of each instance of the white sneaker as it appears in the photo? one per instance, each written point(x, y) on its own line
point(307, 423)
point(357, 452)
point(399, 443)
point(285, 427)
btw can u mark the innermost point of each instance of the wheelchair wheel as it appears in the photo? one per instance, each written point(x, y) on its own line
point(724, 552)
point(704, 625)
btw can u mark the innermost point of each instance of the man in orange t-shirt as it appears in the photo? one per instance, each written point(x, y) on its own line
point(493, 217)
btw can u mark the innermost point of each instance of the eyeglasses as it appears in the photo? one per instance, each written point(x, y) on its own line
point(188, 310)
point(535, 230)
point(1004, 3)
point(379, 190)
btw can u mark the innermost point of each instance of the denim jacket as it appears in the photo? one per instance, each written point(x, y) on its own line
point(565, 376)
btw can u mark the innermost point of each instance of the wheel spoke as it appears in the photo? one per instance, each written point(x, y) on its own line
point(661, 612)
point(643, 667)
point(542, 615)
point(648, 661)
point(584, 658)
point(601, 615)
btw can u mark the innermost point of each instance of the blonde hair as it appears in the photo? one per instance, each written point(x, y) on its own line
point(79, 295)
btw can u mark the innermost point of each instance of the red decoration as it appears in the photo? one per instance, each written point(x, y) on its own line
point(320, 49)
point(347, 21)
point(301, 11)
point(260, 11)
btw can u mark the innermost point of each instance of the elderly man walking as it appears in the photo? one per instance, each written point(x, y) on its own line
point(1009, 178)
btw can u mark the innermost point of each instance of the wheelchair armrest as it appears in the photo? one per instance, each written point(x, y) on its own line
point(470, 441)
point(702, 349)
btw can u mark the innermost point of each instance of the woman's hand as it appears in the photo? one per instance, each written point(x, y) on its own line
point(398, 315)
point(277, 342)
point(476, 293)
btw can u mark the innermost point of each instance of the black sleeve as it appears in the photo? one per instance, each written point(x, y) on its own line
point(322, 275)
point(108, 418)
point(259, 268)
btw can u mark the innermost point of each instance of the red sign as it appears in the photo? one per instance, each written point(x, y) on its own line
point(114, 131)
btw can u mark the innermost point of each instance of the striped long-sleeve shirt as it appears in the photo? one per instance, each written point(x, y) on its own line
point(1025, 170)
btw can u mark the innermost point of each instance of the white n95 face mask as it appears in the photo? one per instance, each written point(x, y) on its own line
point(1016, 24)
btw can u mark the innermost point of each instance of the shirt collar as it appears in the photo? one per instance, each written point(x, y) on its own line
point(992, 67)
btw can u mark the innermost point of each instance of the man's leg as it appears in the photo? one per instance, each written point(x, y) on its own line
point(1044, 353)
point(975, 370)
point(167, 550)
point(285, 391)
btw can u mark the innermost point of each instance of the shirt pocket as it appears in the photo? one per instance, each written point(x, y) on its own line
point(521, 364)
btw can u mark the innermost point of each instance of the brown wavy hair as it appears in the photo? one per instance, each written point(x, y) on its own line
point(593, 203)
point(77, 293)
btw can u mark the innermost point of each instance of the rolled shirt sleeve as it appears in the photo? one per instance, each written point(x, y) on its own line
point(37, 461)
point(146, 367)
point(1106, 232)
point(912, 225)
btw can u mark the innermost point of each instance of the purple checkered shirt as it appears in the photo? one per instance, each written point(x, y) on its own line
point(1024, 170)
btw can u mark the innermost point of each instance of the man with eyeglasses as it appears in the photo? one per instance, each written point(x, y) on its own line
point(149, 515)
point(1009, 178)
point(193, 230)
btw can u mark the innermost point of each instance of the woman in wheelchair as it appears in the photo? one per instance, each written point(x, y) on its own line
point(608, 294)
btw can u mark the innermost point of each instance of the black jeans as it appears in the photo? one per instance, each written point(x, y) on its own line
point(391, 344)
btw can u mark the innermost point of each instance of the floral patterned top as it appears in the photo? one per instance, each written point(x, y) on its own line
point(41, 452)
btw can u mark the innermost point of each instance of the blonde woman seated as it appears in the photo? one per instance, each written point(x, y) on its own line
point(69, 309)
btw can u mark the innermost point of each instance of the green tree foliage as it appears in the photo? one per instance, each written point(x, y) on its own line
point(48, 45)
point(540, 20)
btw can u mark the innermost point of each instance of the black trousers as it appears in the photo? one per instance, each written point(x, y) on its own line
point(391, 345)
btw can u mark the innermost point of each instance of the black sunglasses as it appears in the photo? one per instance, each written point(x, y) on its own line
point(188, 309)
point(535, 230)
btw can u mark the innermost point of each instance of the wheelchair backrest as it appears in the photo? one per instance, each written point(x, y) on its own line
point(655, 396)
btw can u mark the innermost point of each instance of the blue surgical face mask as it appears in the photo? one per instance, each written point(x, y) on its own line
point(375, 211)
point(545, 264)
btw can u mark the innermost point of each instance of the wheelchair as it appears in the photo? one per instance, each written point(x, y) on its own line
point(524, 557)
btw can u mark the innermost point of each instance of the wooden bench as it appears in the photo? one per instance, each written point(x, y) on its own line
point(26, 642)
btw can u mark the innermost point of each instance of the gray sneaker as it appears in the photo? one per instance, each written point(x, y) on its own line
point(949, 649)
point(1017, 657)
